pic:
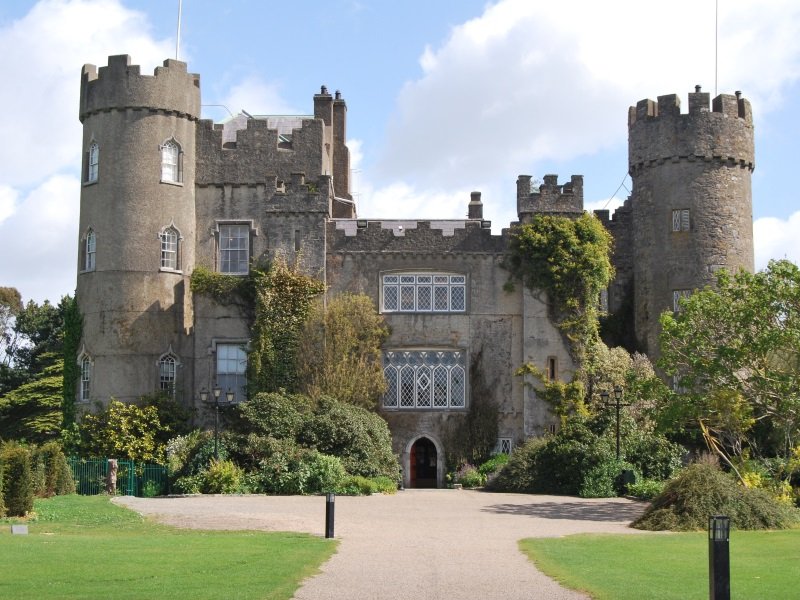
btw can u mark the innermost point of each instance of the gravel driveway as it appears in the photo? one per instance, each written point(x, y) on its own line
point(417, 544)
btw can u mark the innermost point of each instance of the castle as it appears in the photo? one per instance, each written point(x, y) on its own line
point(164, 191)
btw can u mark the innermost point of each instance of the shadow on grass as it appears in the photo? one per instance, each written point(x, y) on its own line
point(576, 511)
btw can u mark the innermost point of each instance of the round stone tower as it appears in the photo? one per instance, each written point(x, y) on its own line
point(137, 228)
point(691, 199)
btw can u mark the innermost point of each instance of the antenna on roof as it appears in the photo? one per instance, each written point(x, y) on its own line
point(178, 36)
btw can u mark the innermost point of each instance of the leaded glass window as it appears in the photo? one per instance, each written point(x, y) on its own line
point(234, 248)
point(425, 379)
point(424, 292)
point(676, 298)
point(90, 251)
point(166, 374)
point(93, 163)
point(680, 219)
point(86, 379)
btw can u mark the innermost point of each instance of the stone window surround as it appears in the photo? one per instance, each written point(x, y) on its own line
point(504, 445)
point(242, 343)
point(680, 220)
point(169, 355)
point(88, 255)
point(452, 284)
point(167, 164)
point(85, 369)
point(92, 167)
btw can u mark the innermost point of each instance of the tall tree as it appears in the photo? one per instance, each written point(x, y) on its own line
point(734, 354)
point(340, 351)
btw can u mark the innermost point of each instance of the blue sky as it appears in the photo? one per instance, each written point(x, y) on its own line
point(443, 97)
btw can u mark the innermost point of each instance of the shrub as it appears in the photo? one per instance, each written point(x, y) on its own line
point(356, 485)
point(17, 480)
point(180, 451)
point(468, 476)
point(123, 431)
point(275, 414)
point(652, 454)
point(2, 500)
point(605, 479)
point(221, 477)
point(493, 464)
point(646, 489)
point(702, 490)
point(57, 479)
point(357, 436)
point(518, 474)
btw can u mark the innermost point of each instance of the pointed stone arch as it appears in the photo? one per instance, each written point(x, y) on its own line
point(410, 478)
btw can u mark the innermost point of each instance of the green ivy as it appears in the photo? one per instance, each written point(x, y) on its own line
point(73, 331)
point(569, 259)
point(283, 302)
point(221, 287)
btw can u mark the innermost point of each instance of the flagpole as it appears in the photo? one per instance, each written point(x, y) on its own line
point(178, 36)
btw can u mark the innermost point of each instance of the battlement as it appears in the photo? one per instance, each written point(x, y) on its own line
point(121, 86)
point(550, 198)
point(720, 131)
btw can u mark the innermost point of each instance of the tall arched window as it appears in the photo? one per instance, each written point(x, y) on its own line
point(85, 364)
point(89, 251)
point(169, 249)
point(171, 161)
point(92, 162)
point(166, 374)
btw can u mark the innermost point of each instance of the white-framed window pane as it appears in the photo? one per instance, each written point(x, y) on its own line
point(390, 297)
point(424, 298)
point(503, 446)
point(90, 251)
point(169, 161)
point(406, 297)
point(166, 374)
point(234, 248)
point(424, 292)
point(169, 249)
point(425, 379)
point(457, 300)
point(93, 162)
point(676, 220)
point(86, 379)
point(440, 297)
point(685, 219)
point(232, 369)
point(676, 298)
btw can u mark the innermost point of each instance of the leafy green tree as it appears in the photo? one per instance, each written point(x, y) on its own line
point(10, 307)
point(32, 411)
point(734, 354)
point(340, 351)
point(123, 431)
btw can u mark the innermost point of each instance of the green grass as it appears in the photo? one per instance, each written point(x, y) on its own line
point(86, 547)
point(764, 564)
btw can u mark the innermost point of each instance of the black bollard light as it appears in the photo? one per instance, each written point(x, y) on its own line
point(719, 565)
point(330, 498)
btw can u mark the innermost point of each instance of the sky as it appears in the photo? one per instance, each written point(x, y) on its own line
point(444, 97)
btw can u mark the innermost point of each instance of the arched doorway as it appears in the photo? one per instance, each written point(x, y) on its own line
point(423, 461)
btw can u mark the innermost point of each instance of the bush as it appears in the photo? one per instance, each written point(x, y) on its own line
point(702, 490)
point(17, 479)
point(2, 500)
point(357, 436)
point(652, 454)
point(492, 465)
point(646, 489)
point(356, 485)
point(274, 414)
point(605, 479)
point(57, 479)
point(468, 476)
point(518, 474)
point(221, 477)
point(123, 431)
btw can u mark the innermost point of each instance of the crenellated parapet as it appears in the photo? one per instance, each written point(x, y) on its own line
point(296, 195)
point(659, 132)
point(121, 86)
point(550, 197)
point(259, 152)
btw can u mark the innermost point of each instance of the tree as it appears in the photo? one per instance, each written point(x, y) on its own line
point(733, 352)
point(340, 351)
point(123, 431)
point(10, 306)
point(32, 411)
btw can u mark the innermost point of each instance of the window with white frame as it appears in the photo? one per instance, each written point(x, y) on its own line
point(503, 446)
point(425, 379)
point(89, 251)
point(92, 162)
point(167, 371)
point(680, 219)
point(85, 382)
point(234, 248)
point(677, 295)
point(232, 369)
point(171, 161)
point(423, 292)
point(169, 249)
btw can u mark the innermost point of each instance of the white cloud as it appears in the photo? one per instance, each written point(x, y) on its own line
point(40, 238)
point(258, 97)
point(776, 238)
point(528, 83)
point(8, 201)
point(40, 95)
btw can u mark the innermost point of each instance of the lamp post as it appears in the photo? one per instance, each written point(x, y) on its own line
point(719, 566)
point(617, 404)
point(217, 392)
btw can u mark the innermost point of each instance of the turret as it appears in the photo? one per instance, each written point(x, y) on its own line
point(691, 199)
point(137, 227)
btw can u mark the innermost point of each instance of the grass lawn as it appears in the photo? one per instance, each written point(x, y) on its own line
point(86, 547)
point(764, 564)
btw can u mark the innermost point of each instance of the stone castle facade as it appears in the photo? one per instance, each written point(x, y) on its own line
point(164, 192)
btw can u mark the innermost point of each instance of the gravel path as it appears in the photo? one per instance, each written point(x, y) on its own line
point(417, 544)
